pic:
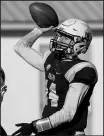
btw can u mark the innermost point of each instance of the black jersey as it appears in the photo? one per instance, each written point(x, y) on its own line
point(57, 85)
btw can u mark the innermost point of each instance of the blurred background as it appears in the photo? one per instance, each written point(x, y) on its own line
point(24, 100)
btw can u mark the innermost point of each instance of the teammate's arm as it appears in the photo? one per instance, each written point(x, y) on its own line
point(24, 48)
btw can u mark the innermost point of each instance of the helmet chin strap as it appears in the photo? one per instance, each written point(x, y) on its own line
point(61, 55)
point(71, 57)
point(69, 54)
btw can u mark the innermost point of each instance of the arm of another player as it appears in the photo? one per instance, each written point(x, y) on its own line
point(24, 48)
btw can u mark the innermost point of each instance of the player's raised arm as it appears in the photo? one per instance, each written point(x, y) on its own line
point(43, 22)
point(24, 48)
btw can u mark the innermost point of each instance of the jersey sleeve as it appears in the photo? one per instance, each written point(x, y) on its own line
point(83, 72)
point(86, 75)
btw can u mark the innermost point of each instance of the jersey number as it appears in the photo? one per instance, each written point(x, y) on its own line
point(52, 94)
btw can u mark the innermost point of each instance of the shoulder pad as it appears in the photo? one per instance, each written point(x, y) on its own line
point(70, 74)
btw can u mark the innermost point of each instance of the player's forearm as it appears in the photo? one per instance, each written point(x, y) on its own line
point(74, 96)
point(29, 39)
point(52, 122)
point(62, 116)
point(30, 55)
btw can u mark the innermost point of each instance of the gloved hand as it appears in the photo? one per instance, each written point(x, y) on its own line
point(36, 126)
point(25, 130)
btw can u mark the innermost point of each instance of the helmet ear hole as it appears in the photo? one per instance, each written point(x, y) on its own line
point(80, 48)
point(84, 50)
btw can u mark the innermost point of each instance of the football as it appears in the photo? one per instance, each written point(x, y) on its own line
point(43, 14)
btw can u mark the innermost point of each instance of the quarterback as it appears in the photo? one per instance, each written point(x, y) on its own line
point(69, 81)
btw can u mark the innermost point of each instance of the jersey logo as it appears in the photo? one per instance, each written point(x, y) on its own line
point(51, 77)
point(48, 67)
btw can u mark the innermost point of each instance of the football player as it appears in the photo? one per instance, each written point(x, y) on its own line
point(2, 91)
point(69, 80)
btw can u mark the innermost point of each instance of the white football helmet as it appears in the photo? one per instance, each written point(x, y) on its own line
point(72, 37)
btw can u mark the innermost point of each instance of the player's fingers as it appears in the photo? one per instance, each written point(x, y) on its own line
point(35, 24)
point(49, 28)
point(54, 28)
point(46, 29)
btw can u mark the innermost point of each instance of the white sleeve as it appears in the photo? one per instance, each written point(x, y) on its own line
point(24, 49)
point(74, 96)
point(30, 55)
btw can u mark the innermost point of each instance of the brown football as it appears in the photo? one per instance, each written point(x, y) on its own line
point(43, 14)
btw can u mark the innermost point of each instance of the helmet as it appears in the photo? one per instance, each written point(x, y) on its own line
point(72, 37)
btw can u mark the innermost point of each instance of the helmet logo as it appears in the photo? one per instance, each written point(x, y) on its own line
point(48, 67)
point(75, 29)
point(69, 22)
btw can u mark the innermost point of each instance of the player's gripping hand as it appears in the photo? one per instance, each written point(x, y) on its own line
point(45, 29)
point(25, 130)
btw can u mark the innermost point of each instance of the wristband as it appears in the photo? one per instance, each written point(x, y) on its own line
point(42, 125)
